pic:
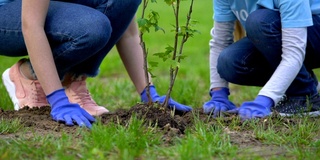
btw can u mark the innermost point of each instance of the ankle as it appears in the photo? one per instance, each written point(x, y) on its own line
point(26, 71)
point(69, 78)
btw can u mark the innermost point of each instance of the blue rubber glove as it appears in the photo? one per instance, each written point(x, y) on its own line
point(64, 111)
point(156, 98)
point(259, 108)
point(219, 102)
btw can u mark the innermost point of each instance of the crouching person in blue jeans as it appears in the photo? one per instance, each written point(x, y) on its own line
point(66, 41)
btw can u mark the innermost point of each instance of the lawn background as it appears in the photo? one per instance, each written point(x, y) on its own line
point(112, 88)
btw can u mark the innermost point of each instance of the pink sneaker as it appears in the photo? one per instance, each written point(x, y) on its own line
point(23, 92)
point(77, 92)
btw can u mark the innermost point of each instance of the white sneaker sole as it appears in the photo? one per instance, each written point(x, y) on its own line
point(11, 89)
point(309, 114)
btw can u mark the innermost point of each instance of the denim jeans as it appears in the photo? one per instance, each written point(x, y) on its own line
point(252, 60)
point(80, 32)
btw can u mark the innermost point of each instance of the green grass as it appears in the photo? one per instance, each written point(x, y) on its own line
point(112, 88)
point(115, 141)
point(10, 126)
point(203, 142)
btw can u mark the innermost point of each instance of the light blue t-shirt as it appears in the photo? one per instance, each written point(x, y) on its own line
point(294, 13)
point(2, 2)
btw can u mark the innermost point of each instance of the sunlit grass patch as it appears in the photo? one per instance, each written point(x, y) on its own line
point(10, 126)
point(116, 141)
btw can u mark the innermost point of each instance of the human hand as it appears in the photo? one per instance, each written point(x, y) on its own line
point(259, 108)
point(64, 111)
point(219, 102)
point(156, 98)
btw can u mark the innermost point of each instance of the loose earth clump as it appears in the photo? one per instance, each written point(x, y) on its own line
point(154, 115)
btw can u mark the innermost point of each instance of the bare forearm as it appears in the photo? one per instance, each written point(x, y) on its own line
point(131, 54)
point(38, 47)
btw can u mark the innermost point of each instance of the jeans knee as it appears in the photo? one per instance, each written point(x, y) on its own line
point(135, 3)
point(97, 31)
point(262, 22)
point(129, 6)
point(224, 66)
point(253, 23)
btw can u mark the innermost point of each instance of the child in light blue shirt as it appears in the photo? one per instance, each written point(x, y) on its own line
point(273, 55)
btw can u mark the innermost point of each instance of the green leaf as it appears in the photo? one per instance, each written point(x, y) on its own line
point(163, 55)
point(142, 22)
point(153, 64)
point(170, 2)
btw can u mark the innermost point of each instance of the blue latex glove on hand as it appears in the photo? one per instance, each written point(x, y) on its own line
point(259, 108)
point(64, 111)
point(156, 98)
point(219, 102)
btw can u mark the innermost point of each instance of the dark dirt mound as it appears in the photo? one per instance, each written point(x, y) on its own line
point(39, 119)
point(155, 115)
point(171, 124)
